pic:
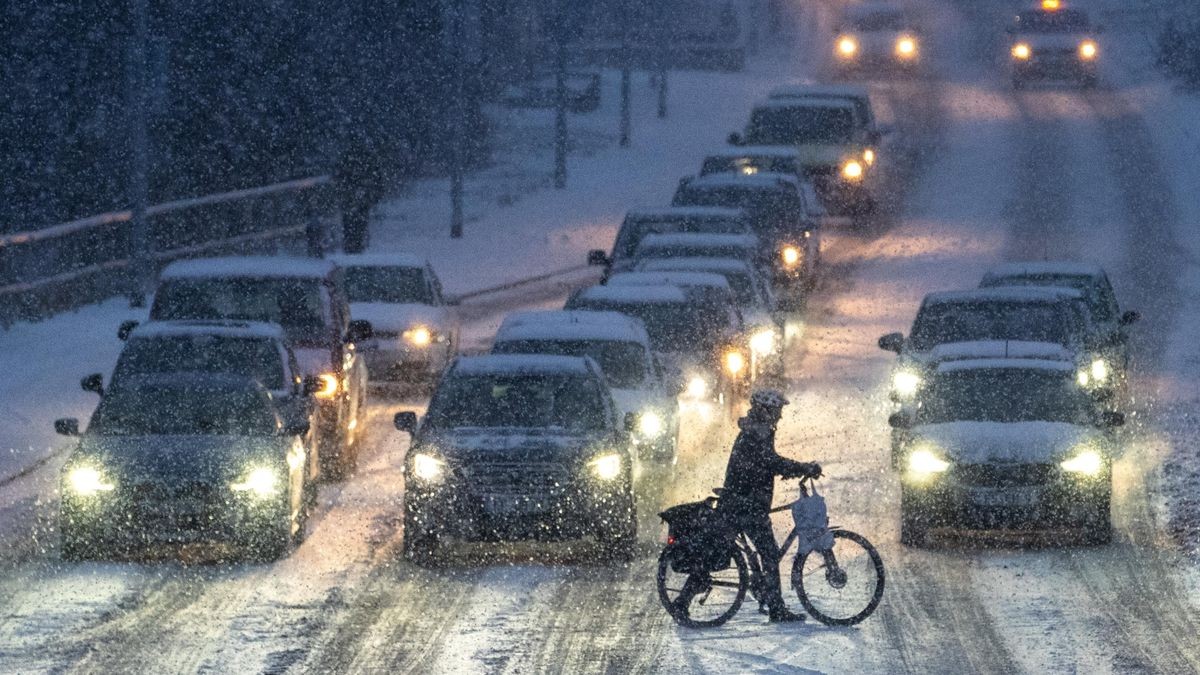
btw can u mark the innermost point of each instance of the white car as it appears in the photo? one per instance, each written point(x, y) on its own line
point(1054, 42)
point(620, 345)
point(415, 329)
point(641, 223)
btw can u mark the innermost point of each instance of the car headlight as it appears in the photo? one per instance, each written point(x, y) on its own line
point(789, 255)
point(735, 362)
point(606, 467)
point(747, 169)
point(427, 467)
point(418, 336)
point(650, 424)
point(1088, 50)
point(924, 462)
point(906, 47)
point(1087, 462)
point(852, 170)
point(1099, 371)
point(905, 383)
point(763, 341)
point(87, 481)
point(697, 387)
point(869, 156)
point(1021, 51)
point(260, 482)
point(847, 46)
point(330, 384)
point(1083, 378)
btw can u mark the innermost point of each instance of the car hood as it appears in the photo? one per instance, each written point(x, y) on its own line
point(512, 445)
point(998, 442)
point(386, 317)
point(825, 154)
point(1052, 40)
point(184, 458)
point(635, 400)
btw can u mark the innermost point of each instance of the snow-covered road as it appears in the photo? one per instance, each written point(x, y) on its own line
point(992, 174)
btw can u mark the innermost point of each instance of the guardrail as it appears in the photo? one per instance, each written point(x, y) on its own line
point(57, 268)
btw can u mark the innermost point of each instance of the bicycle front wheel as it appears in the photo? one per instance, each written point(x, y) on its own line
point(701, 599)
point(841, 586)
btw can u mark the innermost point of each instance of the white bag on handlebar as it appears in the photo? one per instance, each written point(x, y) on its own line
point(812, 523)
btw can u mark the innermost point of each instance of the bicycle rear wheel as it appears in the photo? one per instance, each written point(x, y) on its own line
point(841, 586)
point(701, 599)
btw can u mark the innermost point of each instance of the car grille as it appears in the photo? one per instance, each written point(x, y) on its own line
point(1055, 52)
point(1004, 475)
point(516, 478)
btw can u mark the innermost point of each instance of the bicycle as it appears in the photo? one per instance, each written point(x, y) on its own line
point(704, 575)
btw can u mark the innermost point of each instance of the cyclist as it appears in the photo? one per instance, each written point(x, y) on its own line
point(745, 503)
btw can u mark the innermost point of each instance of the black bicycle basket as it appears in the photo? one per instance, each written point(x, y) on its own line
point(701, 539)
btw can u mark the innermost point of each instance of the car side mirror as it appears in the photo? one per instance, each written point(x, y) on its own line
point(406, 421)
point(93, 383)
point(295, 428)
point(631, 421)
point(900, 420)
point(67, 426)
point(734, 138)
point(892, 342)
point(312, 384)
point(360, 329)
point(125, 329)
point(1129, 318)
point(597, 258)
point(1112, 419)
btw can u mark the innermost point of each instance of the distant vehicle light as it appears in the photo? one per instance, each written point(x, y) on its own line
point(427, 467)
point(329, 386)
point(852, 170)
point(1088, 50)
point(86, 481)
point(905, 383)
point(1021, 51)
point(847, 46)
point(790, 256)
point(748, 169)
point(697, 388)
point(735, 362)
point(869, 156)
point(923, 463)
point(906, 47)
point(607, 467)
point(1099, 371)
point(763, 342)
point(1051, 5)
point(261, 482)
point(419, 336)
point(650, 424)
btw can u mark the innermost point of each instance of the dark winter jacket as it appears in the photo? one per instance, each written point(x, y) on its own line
point(753, 466)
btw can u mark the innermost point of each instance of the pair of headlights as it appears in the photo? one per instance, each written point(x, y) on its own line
point(1095, 375)
point(431, 469)
point(1088, 51)
point(925, 463)
point(905, 47)
point(88, 481)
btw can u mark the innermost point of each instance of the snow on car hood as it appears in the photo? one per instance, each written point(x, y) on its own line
point(176, 459)
point(314, 360)
point(1052, 40)
point(386, 317)
point(823, 154)
point(511, 445)
point(634, 400)
point(998, 349)
point(995, 442)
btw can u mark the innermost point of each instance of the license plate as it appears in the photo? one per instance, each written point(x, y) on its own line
point(510, 504)
point(1006, 497)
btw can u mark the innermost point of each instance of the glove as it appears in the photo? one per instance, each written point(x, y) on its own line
point(809, 470)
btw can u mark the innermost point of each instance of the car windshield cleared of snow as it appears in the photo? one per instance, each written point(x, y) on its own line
point(255, 358)
point(1058, 21)
point(771, 211)
point(633, 230)
point(1004, 395)
point(750, 164)
point(523, 401)
point(623, 363)
point(294, 303)
point(878, 21)
point(942, 323)
point(673, 327)
point(182, 411)
point(1099, 303)
point(800, 124)
point(395, 285)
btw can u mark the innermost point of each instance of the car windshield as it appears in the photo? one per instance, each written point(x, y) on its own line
point(1059, 21)
point(750, 164)
point(183, 411)
point(878, 21)
point(946, 322)
point(396, 285)
point(772, 212)
point(1099, 303)
point(1004, 395)
point(633, 230)
point(657, 252)
point(623, 363)
point(673, 327)
point(255, 357)
point(527, 401)
point(800, 124)
point(294, 303)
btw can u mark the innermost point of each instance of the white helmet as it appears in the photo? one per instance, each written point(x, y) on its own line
point(768, 398)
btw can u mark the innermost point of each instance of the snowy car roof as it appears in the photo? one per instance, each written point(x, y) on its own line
point(761, 181)
point(1035, 269)
point(995, 364)
point(248, 266)
point(668, 277)
point(698, 239)
point(633, 294)
point(629, 330)
point(697, 263)
point(1000, 349)
point(378, 260)
point(523, 364)
point(736, 151)
point(685, 212)
point(237, 329)
point(805, 90)
point(998, 294)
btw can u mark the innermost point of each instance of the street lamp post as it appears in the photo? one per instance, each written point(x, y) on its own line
point(560, 95)
point(139, 236)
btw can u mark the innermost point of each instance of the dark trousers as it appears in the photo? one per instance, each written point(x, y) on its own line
point(757, 527)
